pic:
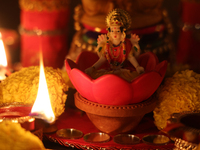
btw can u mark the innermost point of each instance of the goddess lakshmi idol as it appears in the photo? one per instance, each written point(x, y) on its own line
point(116, 49)
point(118, 64)
point(106, 82)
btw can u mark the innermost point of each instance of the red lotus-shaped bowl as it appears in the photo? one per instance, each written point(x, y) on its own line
point(111, 89)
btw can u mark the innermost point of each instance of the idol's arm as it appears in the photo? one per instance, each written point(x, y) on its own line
point(134, 62)
point(98, 64)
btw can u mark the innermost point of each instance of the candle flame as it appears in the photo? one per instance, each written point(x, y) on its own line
point(42, 106)
point(3, 59)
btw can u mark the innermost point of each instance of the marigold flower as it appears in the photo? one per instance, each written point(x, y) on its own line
point(21, 88)
point(14, 137)
point(179, 93)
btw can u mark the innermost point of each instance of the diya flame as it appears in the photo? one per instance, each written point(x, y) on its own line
point(42, 107)
point(3, 60)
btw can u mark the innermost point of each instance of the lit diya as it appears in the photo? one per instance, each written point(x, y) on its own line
point(30, 116)
point(19, 113)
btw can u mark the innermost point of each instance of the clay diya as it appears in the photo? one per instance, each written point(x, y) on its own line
point(20, 114)
point(184, 128)
point(114, 119)
point(110, 89)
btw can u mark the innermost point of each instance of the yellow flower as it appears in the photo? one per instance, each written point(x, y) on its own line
point(179, 93)
point(21, 88)
point(14, 137)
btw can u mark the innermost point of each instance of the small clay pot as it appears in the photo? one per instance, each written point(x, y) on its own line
point(115, 119)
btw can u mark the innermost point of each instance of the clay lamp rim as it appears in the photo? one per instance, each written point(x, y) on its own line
point(115, 110)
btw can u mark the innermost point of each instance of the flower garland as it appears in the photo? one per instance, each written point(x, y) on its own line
point(108, 47)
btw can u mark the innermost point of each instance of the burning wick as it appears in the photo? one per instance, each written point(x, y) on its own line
point(41, 116)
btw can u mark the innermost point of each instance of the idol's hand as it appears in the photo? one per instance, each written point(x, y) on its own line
point(90, 70)
point(134, 39)
point(140, 69)
point(102, 39)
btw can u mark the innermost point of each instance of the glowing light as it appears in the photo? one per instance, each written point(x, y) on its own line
point(3, 60)
point(42, 106)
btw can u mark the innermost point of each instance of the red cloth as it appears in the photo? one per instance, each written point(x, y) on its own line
point(54, 50)
point(44, 20)
point(72, 118)
point(190, 12)
point(53, 44)
point(189, 40)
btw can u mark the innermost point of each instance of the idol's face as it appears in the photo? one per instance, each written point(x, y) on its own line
point(115, 33)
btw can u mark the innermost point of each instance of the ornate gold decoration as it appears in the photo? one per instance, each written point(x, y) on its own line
point(78, 12)
point(118, 17)
point(184, 145)
point(43, 5)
